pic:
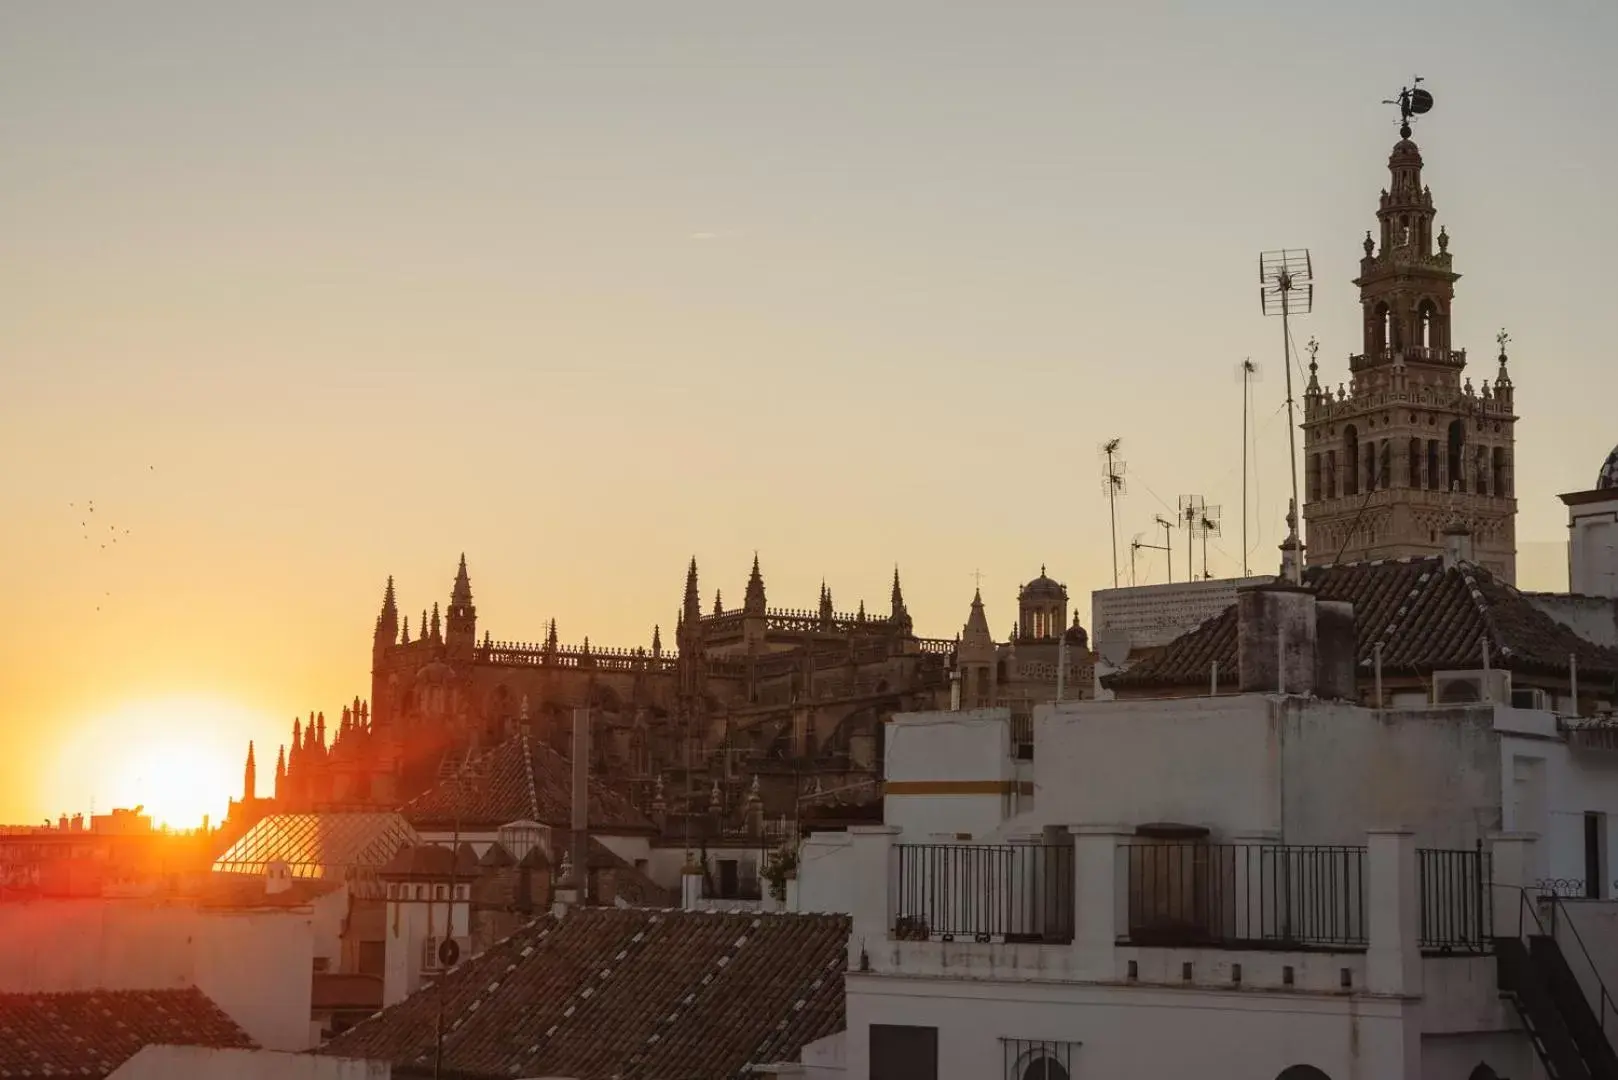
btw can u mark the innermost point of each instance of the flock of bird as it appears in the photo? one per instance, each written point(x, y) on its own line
point(92, 533)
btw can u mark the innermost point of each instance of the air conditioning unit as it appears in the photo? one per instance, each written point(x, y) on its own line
point(1471, 687)
point(1531, 697)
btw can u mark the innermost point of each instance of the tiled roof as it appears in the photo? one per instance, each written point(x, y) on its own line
point(626, 993)
point(91, 1033)
point(521, 779)
point(1426, 618)
point(431, 861)
point(324, 845)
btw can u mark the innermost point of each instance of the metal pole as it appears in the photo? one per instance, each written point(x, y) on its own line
point(1112, 507)
point(1292, 423)
point(1246, 375)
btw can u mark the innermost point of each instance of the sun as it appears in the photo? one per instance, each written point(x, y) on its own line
point(178, 757)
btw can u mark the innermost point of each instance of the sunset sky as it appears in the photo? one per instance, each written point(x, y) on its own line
point(302, 295)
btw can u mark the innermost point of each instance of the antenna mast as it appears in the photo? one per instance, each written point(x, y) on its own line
point(1112, 478)
point(1286, 285)
point(1248, 371)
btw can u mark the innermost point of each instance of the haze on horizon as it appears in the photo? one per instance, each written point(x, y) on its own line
point(301, 297)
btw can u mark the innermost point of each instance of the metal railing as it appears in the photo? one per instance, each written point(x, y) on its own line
point(1457, 907)
point(1266, 896)
point(983, 892)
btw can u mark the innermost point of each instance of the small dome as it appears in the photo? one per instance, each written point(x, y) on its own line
point(1609, 472)
point(1405, 149)
point(1044, 584)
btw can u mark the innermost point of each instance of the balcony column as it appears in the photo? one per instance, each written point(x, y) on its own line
point(1098, 895)
point(1393, 914)
point(872, 877)
point(1511, 863)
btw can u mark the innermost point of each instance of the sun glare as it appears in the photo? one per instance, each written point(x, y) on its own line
point(180, 758)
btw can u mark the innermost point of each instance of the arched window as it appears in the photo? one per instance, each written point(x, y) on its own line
point(1415, 464)
point(1044, 1067)
point(1382, 323)
point(1433, 476)
point(1331, 474)
point(1370, 466)
point(1499, 471)
point(1301, 1072)
point(1457, 442)
point(1482, 1072)
point(1385, 468)
point(1313, 490)
point(1351, 460)
point(1482, 472)
point(1429, 325)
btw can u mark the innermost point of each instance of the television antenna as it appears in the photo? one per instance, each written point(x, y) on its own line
point(1206, 526)
point(1112, 479)
point(1286, 286)
point(1248, 373)
point(1412, 101)
point(1166, 547)
point(1134, 546)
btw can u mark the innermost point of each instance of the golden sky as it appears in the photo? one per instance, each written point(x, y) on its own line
point(301, 297)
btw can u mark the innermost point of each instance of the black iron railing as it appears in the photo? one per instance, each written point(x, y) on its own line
point(983, 892)
point(1457, 906)
point(1267, 896)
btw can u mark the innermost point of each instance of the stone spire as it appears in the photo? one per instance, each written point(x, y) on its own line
point(693, 603)
point(461, 624)
point(753, 601)
point(718, 602)
point(438, 634)
point(826, 612)
point(657, 641)
point(250, 776)
point(551, 644)
point(977, 623)
point(404, 634)
point(280, 771)
point(387, 622)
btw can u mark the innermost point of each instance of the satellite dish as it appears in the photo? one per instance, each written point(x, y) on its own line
point(1420, 101)
point(1113, 645)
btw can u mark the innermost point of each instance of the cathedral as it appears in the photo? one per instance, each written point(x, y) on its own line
point(1410, 445)
point(788, 702)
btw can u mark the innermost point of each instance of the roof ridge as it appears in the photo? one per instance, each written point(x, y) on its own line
point(528, 774)
point(1395, 623)
point(763, 1053)
point(1491, 628)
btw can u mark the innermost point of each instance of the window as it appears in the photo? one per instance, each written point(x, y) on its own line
point(1302, 1072)
point(904, 1052)
point(1370, 466)
point(1457, 441)
point(1499, 469)
point(1351, 460)
point(1415, 464)
point(1595, 846)
point(1313, 492)
point(1038, 1059)
point(1432, 465)
point(440, 892)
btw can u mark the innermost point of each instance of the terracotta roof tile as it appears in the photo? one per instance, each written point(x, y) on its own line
point(521, 779)
point(626, 993)
point(1427, 618)
point(92, 1033)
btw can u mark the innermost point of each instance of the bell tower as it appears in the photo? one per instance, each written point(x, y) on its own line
point(1409, 445)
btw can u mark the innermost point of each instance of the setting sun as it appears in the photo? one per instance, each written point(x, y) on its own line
point(179, 757)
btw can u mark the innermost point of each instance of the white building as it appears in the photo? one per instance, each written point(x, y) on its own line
point(1224, 886)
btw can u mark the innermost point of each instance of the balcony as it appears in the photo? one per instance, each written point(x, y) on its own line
point(1100, 903)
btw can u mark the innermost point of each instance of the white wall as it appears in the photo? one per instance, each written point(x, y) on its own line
point(255, 965)
point(933, 752)
point(1140, 1031)
point(825, 873)
point(410, 922)
point(1593, 548)
point(1251, 766)
point(204, 1063)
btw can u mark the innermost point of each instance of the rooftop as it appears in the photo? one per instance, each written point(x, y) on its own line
point(1426, 618)
point(343, 847)
point(521, 779)
point(632, 994)
point(92, 1033)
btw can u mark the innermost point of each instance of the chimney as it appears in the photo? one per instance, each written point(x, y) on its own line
point(277, 878)
point(567, 888)
point(581, 798)
point(1336, 651)
point(1457, 544)
point(1275, 639)
point(691, 883)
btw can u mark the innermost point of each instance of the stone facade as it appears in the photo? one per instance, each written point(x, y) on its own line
point(1409, 446)
point(794, 698)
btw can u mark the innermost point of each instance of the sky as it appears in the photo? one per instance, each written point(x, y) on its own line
point(304, 295)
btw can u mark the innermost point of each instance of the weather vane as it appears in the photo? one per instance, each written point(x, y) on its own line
point(1502, 337)
point(1412, 101)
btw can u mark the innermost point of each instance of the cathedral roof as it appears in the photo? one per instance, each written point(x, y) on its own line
point(632, 993)
point(522, 779)
point(1044, 584)
point(1426, 618)
point(1609, 472)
